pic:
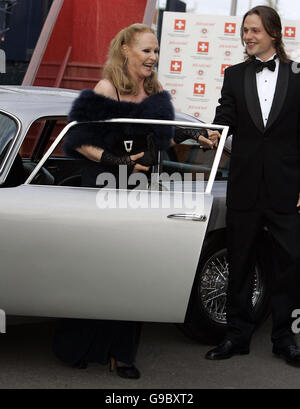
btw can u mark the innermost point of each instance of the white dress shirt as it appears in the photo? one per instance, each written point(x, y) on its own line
point(266, 81)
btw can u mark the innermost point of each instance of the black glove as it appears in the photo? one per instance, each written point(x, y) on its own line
point(109, 159)
point(182, 134)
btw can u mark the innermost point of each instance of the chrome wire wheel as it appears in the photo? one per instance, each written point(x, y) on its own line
point(213, 286)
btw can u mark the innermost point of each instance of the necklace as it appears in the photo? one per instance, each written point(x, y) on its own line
point(128, 146)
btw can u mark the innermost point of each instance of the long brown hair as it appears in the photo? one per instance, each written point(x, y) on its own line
point(115, 69)
point(272, 24)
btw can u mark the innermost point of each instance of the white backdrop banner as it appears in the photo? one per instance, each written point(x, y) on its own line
point(194, 53)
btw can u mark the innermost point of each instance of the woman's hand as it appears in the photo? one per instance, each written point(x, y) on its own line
point(97, 155)
point(137, 166)
point(206, 138)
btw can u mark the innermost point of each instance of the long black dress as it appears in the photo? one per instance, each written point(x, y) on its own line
point(79, 341)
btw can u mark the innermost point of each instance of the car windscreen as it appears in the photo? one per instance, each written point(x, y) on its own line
point(8, 130)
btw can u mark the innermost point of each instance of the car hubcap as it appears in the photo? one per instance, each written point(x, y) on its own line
point(213, 286)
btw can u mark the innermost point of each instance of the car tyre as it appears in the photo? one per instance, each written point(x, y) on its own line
point(206, 318)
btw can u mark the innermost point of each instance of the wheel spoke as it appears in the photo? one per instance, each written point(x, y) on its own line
point(214, 298)
point(218, 270)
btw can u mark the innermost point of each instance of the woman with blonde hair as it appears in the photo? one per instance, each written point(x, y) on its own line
point(129, 89)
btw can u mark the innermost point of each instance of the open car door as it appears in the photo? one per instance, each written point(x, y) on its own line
point(106, 254)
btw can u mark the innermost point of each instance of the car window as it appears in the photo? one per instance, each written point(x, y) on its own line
point(189, 157)
point(181, 162)
point(40, 136)
point(8, 130)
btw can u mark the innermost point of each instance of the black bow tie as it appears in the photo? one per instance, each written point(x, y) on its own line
point(260, 65)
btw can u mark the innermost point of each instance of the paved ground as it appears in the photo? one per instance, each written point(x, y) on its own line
point(166, 358)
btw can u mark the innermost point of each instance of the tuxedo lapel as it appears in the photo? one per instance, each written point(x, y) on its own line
point(251, 96)
point(280, 93)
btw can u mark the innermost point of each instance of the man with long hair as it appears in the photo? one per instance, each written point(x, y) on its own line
point(260, 102)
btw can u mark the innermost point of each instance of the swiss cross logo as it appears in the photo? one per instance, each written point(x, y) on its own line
point(176, 66)
point(179, 25)
point(289, 32)
point(223, 68)
point(203, 47)
point(199, 89)
point(230, 28)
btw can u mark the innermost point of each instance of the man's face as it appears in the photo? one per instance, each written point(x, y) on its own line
point(256, 39)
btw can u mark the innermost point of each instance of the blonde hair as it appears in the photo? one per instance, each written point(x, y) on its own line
point(115, 69)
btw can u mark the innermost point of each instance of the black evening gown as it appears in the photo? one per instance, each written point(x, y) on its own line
point(79, 341)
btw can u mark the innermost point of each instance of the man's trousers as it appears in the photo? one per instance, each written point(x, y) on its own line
point(244, 230)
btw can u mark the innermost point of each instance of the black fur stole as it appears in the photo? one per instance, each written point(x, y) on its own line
point(90, 106)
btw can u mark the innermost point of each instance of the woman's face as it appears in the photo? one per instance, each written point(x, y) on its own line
point(142, 55)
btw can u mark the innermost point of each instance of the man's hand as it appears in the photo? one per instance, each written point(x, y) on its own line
point(298, 204)
point(203, 141)
point(214, 137)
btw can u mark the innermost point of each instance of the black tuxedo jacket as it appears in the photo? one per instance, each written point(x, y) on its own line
point(260, 153)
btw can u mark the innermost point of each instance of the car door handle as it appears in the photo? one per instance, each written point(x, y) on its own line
point(188, 216)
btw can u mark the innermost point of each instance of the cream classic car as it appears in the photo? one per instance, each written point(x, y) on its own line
point(63, 255)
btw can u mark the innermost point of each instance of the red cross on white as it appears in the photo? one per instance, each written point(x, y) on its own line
point(179, 25)
point(230, 28)
point(176, 66)
point(223, 68)
point(290, 32)
point(199, 89)
point(203, 47)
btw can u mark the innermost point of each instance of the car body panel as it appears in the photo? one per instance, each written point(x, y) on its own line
point(62, 256)
point(36, 102)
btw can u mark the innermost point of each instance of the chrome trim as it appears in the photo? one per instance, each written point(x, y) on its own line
point(188, 216)
point(19, 127)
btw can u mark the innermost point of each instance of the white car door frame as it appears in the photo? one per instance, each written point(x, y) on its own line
point(63, 255)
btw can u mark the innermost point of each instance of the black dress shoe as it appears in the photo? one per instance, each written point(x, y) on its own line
point(291, 353)
point(124, 371)
point(129, 372)
point(226, 350)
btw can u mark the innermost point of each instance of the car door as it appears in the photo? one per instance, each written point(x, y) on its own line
point(109, 254)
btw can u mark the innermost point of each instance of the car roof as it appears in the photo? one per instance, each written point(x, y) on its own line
point(34, 102)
